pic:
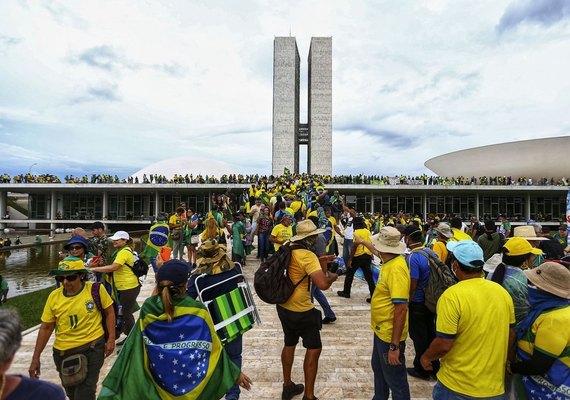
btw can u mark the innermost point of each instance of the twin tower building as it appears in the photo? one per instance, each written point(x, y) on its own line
point(288, 132)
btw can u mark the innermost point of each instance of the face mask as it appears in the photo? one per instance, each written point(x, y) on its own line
point(454, 270)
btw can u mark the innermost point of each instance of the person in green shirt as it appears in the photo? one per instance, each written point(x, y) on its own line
point(3, 289)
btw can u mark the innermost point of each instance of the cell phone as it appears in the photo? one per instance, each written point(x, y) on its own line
point(95, 260)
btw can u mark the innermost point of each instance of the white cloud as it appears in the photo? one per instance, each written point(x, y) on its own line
point(131, 83)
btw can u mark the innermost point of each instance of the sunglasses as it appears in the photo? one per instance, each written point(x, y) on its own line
point(70, 278)
point(75, 247)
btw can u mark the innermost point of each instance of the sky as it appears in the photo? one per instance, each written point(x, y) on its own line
point(112, 86)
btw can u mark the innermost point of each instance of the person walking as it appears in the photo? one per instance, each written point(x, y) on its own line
point(73, 311)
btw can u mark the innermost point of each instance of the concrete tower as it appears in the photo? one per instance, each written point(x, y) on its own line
point(288, 133)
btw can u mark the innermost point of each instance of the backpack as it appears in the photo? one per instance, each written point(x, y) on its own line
point(271, 280)
point(117, 307)
point(139, 268)
point(440, 278)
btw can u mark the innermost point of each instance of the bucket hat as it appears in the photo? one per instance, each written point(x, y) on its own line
point(388, 241)
point(306, 228)
point(444, 229)
point(77, 239)
point(69, 266)
point(517, 246)
point(551, 277)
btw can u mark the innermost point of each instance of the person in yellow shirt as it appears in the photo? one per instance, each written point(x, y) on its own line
point(444, 234)
point(283, 231)
point(299, 318)
point(389, 315)
point(121, 276)
point(72, 309)
point(360, 257)
point(474, 331)
point(458, 234)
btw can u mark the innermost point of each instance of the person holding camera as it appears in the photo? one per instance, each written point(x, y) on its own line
point(80, 345)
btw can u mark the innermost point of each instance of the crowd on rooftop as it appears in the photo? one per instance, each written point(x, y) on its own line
point(359, 179)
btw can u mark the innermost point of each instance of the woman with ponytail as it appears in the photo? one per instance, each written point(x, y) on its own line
point(174, 333)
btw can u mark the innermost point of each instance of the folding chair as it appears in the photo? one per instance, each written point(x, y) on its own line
point(233, 313)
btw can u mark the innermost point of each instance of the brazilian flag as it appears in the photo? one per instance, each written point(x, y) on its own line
point(183, 359)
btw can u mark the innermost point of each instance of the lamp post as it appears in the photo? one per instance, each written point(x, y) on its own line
point(31, 166)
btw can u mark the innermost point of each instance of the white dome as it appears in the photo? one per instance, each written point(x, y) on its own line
point(186, 165)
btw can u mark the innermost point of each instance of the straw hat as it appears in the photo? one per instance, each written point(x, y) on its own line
point(527, 232)
point(306, 228)
point(388, 241)
point(552, 278)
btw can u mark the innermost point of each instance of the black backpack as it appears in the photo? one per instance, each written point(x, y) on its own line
point(271, 280)
point(139, 268)
point(440, 278)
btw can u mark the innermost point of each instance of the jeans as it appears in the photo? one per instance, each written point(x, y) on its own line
point(95, 357)
point(252, 233)
point(234, 349)
point(263, 245)
point(422, 332)
point(323, 302)
point(178, 248)
point(440, 392)
point(346, 248)
point(389, 377)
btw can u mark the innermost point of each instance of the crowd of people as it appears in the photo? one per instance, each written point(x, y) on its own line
point(358, 179)
point(485, 304)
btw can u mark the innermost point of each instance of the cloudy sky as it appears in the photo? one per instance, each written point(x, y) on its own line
point(113, 86)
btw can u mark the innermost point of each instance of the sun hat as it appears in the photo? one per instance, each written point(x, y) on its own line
point(467, 252)
point(518, 246)
point(527, 232)
point(552, 278)
point(388, 241)
point(175, 271)
point(69, 266)
point(306, 228)
point(444, 229)
point(120, 235)
point(77, 239)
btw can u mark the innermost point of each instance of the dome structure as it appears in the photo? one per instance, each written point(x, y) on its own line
point(186, 165)
point(534, 158)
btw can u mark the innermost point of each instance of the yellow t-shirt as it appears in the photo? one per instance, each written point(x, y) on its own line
point(469, 312)
point(124, 277)
point(281, 232)
point(549, 333)
point(363, 234)
point(77, 319)
point(393, 287)
point(303, 262)
point(458, 235)
point(441, 251)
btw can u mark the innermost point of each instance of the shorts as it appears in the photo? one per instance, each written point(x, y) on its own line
point(306, 325)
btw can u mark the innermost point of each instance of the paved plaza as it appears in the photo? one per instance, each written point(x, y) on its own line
point(344, 368)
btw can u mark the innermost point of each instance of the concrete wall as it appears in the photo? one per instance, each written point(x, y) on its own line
point(320, 106)
point(286, 62)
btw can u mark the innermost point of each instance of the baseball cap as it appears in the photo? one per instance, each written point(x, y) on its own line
point(120, 235)
point(518, 246)
point(175, 271)
point(467, 252)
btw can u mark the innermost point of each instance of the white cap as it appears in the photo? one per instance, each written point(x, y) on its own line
point(120, 235)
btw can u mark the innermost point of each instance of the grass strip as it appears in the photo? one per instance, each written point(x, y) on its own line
point(29, 306)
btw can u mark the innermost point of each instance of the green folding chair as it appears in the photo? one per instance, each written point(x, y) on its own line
point(233, 313)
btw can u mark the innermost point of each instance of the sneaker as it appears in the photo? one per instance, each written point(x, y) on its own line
point(292, 390)
point(418, 374)
point(327, 320)
point(342, 293)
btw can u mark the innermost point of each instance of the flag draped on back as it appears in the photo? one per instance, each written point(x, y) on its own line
point(182, 359)
point(568, 208)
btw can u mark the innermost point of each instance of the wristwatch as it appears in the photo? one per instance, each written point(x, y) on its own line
point(394, 347)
